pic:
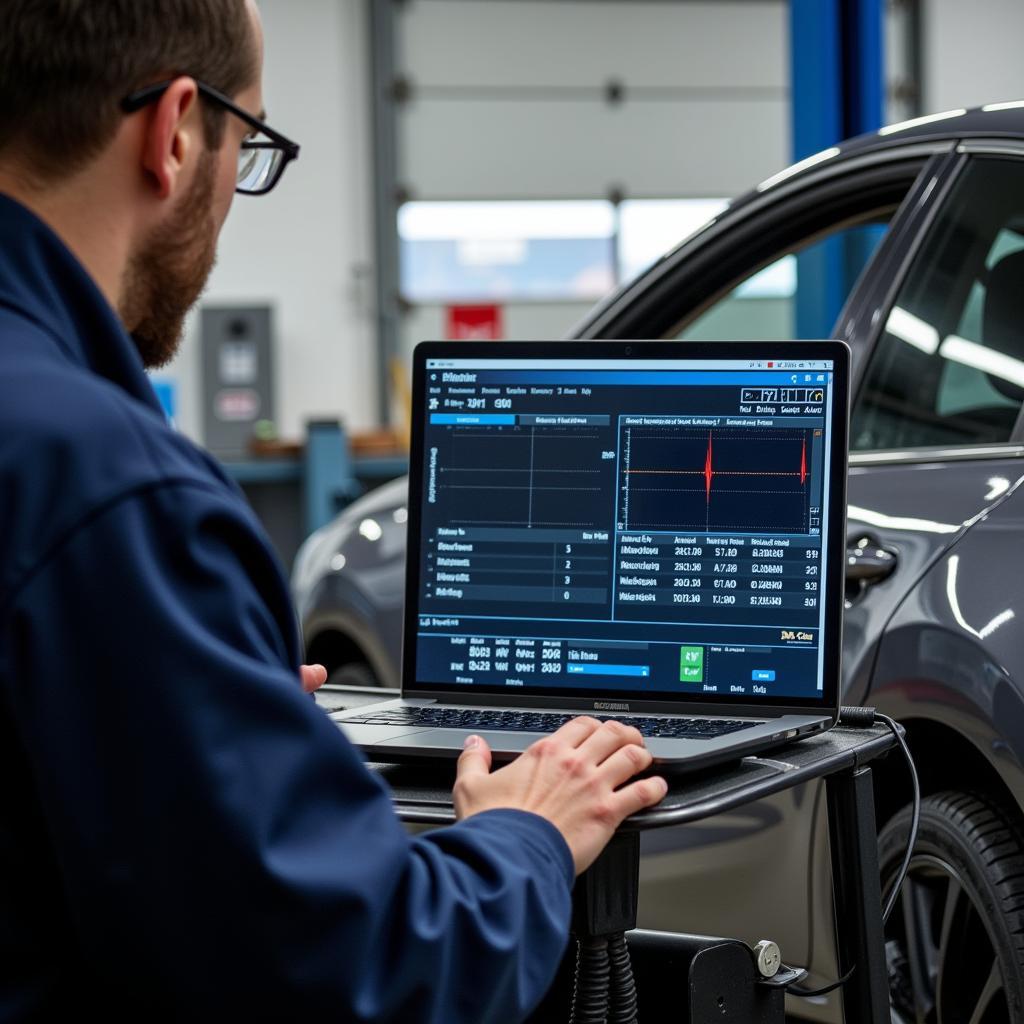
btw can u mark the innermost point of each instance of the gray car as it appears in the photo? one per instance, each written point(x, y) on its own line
point(922, 228)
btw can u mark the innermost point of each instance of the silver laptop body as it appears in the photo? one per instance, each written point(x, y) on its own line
point(650, 531)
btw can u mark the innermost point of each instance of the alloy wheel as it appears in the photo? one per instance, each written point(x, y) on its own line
point(943, 963)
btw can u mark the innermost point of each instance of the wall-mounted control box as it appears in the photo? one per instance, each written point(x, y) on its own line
point(238, 376)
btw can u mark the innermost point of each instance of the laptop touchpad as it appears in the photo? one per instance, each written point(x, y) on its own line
point(447, 739)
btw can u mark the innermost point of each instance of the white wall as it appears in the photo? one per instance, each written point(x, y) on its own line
point(307, 247)
point(972, 52)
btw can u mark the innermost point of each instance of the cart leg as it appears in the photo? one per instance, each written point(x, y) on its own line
point(604, 907)
point(858, 898)
point(588, 986)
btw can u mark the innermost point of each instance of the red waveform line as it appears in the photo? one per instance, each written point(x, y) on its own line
point(708, 472)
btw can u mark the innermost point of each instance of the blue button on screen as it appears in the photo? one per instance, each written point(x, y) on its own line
point(763, 675)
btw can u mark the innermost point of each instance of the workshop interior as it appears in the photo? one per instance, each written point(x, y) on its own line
point(661, 361)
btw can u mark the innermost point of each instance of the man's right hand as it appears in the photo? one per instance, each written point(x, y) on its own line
point(571, 778)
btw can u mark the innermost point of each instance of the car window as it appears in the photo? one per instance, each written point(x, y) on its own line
point(949, 366)
point(763, 307)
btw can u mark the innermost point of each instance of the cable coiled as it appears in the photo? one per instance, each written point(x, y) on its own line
point(593, 973)
point(622, 1004)
point(605, 991)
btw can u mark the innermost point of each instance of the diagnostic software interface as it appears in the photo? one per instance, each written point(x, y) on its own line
point(647, 526)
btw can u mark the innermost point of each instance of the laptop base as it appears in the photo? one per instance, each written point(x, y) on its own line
point(402, 743)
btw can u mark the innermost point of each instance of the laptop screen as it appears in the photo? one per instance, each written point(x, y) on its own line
point(625, 526)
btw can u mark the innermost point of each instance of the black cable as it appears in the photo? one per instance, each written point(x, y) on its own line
point(622, 1008)
point(590, 997)
point(863, 718)
point(915, 819)
point(806, 993)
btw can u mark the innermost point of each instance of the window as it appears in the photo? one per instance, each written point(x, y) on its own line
point(542, 250)
point(764, 306)
point(507, 251)
point(949, 367)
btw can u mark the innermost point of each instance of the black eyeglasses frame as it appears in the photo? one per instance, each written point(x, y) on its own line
point(289, 150)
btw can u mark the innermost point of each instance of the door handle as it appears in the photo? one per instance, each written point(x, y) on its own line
point(868, 562)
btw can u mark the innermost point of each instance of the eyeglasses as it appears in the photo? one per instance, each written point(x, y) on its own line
point(261, 162)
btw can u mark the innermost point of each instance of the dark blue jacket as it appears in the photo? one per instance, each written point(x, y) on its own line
point(183, 834)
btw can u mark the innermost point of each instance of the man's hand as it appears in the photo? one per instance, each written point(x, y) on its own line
point(313, 677)
point(571, 778)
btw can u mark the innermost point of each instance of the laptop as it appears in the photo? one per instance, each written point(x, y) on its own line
point(647, 531)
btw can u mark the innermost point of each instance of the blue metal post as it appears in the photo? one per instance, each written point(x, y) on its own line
point(329, 480)
point(837, 83)
point(816, 75)
point(863, 61)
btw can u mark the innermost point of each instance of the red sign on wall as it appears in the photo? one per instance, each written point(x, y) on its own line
point(475, 323)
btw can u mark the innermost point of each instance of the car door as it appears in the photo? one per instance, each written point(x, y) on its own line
point(875, 205)
point(936, 440)
point(934, 427)
point(711, 877)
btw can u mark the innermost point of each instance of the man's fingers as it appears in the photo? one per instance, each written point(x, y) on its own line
point(603, 742)
point(576, 730)
point(312, 676)
point(475, 759)
point(626, 762)
point(638, 795)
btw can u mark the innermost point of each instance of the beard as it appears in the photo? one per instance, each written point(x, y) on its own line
point(168, 273)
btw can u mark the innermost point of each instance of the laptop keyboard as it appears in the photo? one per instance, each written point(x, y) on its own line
point(533, 721)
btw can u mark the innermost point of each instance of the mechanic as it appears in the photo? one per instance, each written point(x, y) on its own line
point(183, 833)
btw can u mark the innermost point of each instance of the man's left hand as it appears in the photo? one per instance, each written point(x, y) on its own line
point(313, 677)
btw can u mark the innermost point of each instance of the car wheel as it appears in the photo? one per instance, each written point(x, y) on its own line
point(355, 673)
point(955, 940)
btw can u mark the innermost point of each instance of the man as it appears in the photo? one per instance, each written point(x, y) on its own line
point(183, 834)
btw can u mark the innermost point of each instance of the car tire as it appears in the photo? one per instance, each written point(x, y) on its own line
point(955, 940)
point(354, 673)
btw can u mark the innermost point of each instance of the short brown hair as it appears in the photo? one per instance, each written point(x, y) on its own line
point(65, 66)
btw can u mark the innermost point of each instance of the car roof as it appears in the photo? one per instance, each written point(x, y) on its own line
point(1004, 120)
point(992, 121)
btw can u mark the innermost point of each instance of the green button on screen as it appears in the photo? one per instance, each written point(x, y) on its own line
point(691, 664)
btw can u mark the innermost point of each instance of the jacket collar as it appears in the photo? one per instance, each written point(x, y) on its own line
point(42, 281)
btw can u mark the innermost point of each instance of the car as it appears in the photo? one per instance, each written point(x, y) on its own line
point(916, 234)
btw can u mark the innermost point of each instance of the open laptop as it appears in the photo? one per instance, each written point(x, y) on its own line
point(650, 531)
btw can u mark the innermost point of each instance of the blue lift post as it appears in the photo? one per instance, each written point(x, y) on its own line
point(329, 479)
point(838, 91)
point(333, 477)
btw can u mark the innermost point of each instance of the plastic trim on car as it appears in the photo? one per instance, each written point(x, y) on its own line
point(888, 278)
point(992, 147)
point(879, 298)
point(883, 457)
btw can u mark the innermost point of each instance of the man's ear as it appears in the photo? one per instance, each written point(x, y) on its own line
point(171, 135)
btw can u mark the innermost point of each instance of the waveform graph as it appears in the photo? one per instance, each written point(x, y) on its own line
point(717, 479)
point(523, 476)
